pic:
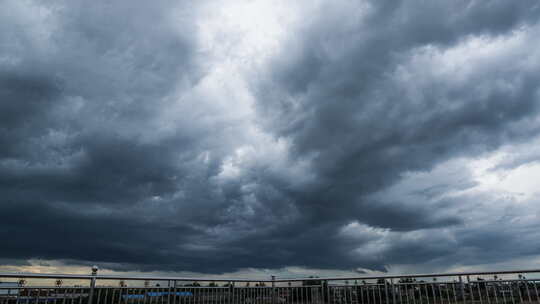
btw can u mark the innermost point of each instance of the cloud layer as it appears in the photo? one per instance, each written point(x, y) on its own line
point(213, 137)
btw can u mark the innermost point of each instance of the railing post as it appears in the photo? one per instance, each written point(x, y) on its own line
point(169, 291)
point(462, 289)
point(92, 284)
point(231, 292)
point(274, 298)
point(393, 290)
point(469, 287)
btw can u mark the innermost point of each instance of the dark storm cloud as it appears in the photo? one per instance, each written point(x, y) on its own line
point(345, 107)
point(338, 95)
point(110, 153)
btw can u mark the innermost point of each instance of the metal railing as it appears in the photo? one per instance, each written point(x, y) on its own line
point(504, 287)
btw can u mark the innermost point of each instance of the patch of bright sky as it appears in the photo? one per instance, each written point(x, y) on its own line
point(513, 170)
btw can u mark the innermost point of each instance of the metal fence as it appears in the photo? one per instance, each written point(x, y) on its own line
point(507, 287)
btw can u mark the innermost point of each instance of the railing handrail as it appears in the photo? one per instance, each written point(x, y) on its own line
point(417, 275)
point(266, 280)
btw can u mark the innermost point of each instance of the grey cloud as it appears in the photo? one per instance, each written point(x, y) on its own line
point(110, 156)
point(356, 120)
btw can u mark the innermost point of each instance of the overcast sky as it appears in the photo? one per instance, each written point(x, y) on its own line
point(231, 136)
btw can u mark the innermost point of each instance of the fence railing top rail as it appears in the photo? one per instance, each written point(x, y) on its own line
point(266, 280)
point(405, 276)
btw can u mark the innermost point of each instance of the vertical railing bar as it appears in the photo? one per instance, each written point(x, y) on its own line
point(519, 291)
point(144, 292)
point(386, 297)
point(162, 294)
point(369, 298)
point(432, 286)
point(175, 292)
point(120, 293)
point(327, 293)
point(421, 299)
point(28, 295)
point(487, 292)
point(18, 295)
point(393, 291)
point(47, 291)
point(106, 297)
point(56, 292)
point(511, 291)
point(495, 294)
point(447, 292)
point(536, 291)
point(454, 291)
point(503, 287)
point(169, 292)
point(417, 285)
point(229, 294)
point(527, 288)
point(461, 289)
point(438, 286)
point(469, 286)
point(426, 290)
point(479, 291)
